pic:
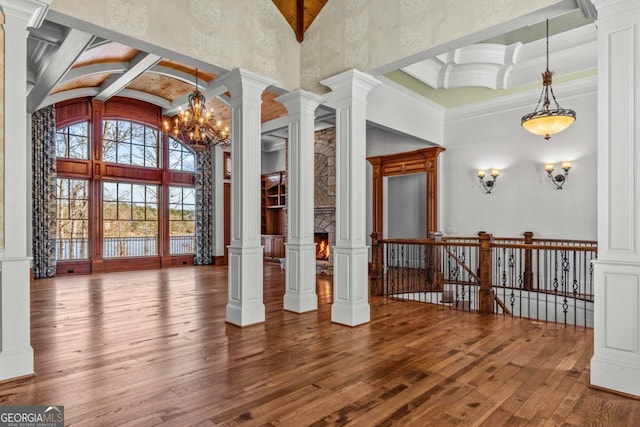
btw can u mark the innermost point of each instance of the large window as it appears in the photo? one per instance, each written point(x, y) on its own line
point(72, 219)
point(182, 206)
point(180, 157)
point(135, 199)
point(130, 215)
point(73, 141)
point(129, 143)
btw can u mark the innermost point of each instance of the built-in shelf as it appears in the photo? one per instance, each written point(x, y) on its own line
point(274, 203)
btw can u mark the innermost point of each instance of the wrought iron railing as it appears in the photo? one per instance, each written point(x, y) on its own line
point(78, 248)
point(543, 279)
point(430, 271)
point(551, 282)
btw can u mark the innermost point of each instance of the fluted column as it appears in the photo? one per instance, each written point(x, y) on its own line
point(245, 305)
point(300, 294)
point(350, 255)
point(16, 354)
point(616, 361)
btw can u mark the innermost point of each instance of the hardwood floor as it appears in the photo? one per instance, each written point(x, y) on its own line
point(151, 347)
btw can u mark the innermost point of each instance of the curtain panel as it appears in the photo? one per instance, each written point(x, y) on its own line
point(204, 207)
point(43, 141)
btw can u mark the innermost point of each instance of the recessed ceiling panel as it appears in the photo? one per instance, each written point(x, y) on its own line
point(161, 86)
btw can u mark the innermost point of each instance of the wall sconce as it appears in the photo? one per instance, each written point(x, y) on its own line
point(559, 179)
point(489, 183)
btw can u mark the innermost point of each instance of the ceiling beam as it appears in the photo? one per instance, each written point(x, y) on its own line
point(93, 69)
point(182, 101)
point(72, 46)
point(300, 20)
point(137, 66)
point(70, 94)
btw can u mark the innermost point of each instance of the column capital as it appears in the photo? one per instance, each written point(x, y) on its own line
point(242, 82)
point(298, 101)
point(30, 11)
point(349, 85)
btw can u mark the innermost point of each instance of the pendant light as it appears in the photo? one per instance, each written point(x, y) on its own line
point(545, 121)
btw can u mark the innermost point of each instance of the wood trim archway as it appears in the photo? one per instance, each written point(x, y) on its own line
point(423, 160)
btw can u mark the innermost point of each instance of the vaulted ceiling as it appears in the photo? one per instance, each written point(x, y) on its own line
point(300, 13)
point(66, 63)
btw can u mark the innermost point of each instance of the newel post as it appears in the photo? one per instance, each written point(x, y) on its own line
point(528, 261)
point(436, 261)
point(486, 297)
point(376, 265)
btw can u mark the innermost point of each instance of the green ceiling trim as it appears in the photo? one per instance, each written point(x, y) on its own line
point(450, 98)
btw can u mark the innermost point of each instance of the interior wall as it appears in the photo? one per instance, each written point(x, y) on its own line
point(522, 199)
point(406, 213)
point(395, 108)
point(2, 76)
point(274, 161)
point(226, 33)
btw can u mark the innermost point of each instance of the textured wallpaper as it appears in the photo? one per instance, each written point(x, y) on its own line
point(1, 135)
point(250, 34)
point(366, 34)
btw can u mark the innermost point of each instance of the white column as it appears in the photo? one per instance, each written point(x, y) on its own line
point(16, 354)
point(616, 361)
point(350, 254)
point(245, 306)
point(218, 202)
point(300, 294)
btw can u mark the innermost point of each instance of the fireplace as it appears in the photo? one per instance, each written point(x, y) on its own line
point(324, 199)
point(322, 246)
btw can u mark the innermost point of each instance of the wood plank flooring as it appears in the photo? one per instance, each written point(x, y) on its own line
point(152, 348)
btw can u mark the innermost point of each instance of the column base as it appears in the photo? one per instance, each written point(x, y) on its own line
point(16, 353)
point(615, 364)
point(245, 304)
point(615, 376)
point(16, 363)
point(350, 315)
point(300, 294)
point(350, 286)
point(300, 303)
point(245, 316)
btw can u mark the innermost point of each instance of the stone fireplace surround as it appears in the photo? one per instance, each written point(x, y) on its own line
point(325, 192)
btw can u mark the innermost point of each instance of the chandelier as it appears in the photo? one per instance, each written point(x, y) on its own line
point(544, 121)
point(196, 126)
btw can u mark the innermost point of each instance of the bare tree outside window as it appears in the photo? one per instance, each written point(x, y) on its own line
point(129, 143)
point(180, 157)
point(73, 141)
point(130, 219)
point(72, 225)
point(182, 205)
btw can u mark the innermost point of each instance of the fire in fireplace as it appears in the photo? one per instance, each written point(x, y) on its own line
point(322, 246)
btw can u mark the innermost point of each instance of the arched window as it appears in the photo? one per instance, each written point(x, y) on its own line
point(126, 198)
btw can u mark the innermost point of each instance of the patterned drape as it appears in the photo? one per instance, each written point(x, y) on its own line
point(43, 141)
point(204, 207)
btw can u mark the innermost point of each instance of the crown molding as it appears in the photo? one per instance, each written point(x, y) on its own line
point(574, 88)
